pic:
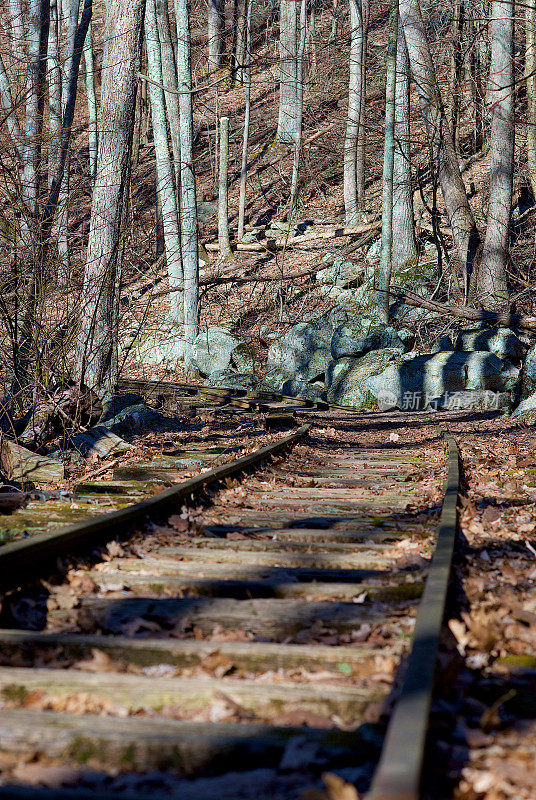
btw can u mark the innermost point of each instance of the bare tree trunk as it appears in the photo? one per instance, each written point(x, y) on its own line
point(54, 93)
point(244, 163)
point(492, 290)
point(169, 78)
point(462, 223)
point(38, 22)
point(97, 340)
point(456, 70)
point(91, 103)
point(384, 277)
point(297, 146)
point(216, 33)
point(13, 126)
point(404, 250)
point(334, 20)
point(530, 72)
point(63, 204)
point(188, 206)
point(288, 73)
point(223, 204)
point(241, 45)
point(16, 14)
point(311, 41)
point(361, 136)
point(356, 101)
point(476, 22)
point(164, 171)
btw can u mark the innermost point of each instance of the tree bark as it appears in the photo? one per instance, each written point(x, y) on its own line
point(169, 79)
point(404, 251)
point(38, 22)
point(530, 72)
point(384, 277)
point(97, 340)
point(247, 114)
point(188, 202)
point(63, 204)
point(164, 170)
point(462, 223)
point(16, 14)
point(241, 43)
point(299, 121)
point(54, 93)
point(91, 103)
point(223, 177)
point(216, 33)
point(353, 203)
point(288, 73)
point(492, 290)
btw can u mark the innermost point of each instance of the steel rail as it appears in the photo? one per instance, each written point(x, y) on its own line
point(24, 561)
point(400, 769)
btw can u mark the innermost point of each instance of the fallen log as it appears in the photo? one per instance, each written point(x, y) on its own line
point(465, 312)
point(19, 464)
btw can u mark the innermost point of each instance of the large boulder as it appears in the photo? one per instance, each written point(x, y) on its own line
point(303, 390)
point(303, 352)
point(340, 273)
point(349, 342)
point(503, 342)
point(350, 380)
point(528, 378)
point(162, 346)
point(216, 349)
point(428, 380)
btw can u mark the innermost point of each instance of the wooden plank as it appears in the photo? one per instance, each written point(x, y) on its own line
point(20, 464)
point(205, 587)
point(319, 560)
point(185, 652)
point(145, 743)
point(192, 695)
point(205, 544)
point(273, 618)
point(255, 571)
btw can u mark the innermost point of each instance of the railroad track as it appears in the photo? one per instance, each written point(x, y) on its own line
point(236, 635)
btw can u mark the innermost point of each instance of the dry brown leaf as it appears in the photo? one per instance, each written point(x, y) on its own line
point(99, 662)
point(337, 788)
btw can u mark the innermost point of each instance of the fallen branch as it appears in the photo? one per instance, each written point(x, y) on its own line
point(295, 241)
point(464, 312)
point(218, 280)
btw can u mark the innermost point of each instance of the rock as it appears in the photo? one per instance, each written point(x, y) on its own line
point(526, 410)
point(229, 379)
point(407, 337)
point(528, 378)
point(474, 400)
point(444, 344)
point(346, 341)
point(340, 273)
point(304, 390)
point(303, 352)
point(503, 342)
point(217, 349)
point(161, 347)
point(350, 379)
point(417, 383)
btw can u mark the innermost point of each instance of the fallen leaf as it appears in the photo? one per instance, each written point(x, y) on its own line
point(338, 788)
